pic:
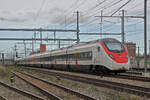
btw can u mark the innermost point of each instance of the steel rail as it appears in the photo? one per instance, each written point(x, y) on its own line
point(141, 69)
point(25, 93)
point(46, 93)
point(137, 90)
point(130, 77)
point(133, 73)
point(61, 87)
point(3, 98)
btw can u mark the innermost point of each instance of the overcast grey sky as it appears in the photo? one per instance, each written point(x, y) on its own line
point(61, 14)
point(35, 13)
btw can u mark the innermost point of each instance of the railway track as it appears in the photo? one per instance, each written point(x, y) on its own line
point(130, 77)
point(24, 93)
point(51, 94)
point(140, 69)
point(133, 72)
point(137, 90)
point(3, 98)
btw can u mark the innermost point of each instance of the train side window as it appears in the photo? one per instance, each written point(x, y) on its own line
point(90, 54)
point(98, 49)
point(86, 55)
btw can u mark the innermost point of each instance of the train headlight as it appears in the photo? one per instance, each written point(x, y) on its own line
point(110, 55)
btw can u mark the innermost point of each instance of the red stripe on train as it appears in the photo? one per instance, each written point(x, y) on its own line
point(118, 57)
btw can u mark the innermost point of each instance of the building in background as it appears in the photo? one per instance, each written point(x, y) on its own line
point(43, 47)
point(131, 49)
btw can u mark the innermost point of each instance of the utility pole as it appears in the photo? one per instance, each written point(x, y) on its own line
point(138, 61)
point(138, 51)
point(101, 23)
point(122, 22)
point(122, 27)
point(149, 48)
point(25, 51)
point(78, 39)
point(41, 35)
point(33, 41)
point(0, 57)
point(32, 44)
point(3, 61)
point(59, 44)
point(15, 49)
point(145, 35)
point(54, 36)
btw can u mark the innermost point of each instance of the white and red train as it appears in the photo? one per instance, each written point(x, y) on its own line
point(104, 55)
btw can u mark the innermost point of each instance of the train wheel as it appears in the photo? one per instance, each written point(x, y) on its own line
point(41, 65)
point(100, 70)
point(91, 69)
point(116, 73)
point(52, 66)
point(97, 69)
point(68, 68)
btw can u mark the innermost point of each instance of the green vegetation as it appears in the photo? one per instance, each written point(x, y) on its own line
point(110, 96)
point(104, 94)
point(66, 82)
point(94, 89)
point(5, 72)
point(75, 84)
point(134, 97)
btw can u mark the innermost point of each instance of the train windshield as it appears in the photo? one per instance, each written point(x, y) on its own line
point(115, 46)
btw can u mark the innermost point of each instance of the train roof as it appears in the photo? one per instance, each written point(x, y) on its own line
point(109, 40)
point(72, 46)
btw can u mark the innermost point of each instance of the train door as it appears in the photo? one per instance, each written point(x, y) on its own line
point(67, 61)
point(96, 55)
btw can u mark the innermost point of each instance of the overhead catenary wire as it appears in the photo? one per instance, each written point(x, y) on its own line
point(95, 8)
point(125, 3)
point(74, 4)
point(129, 25)
point(104, 8)
point(101, 8)
point(71, 7)
point(72, 11)
point(141, 22)
point(39, 10)
point(121, 7)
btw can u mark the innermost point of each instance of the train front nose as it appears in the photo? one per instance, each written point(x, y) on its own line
point(121, 61)
point(118, 54)
point(121, 57)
